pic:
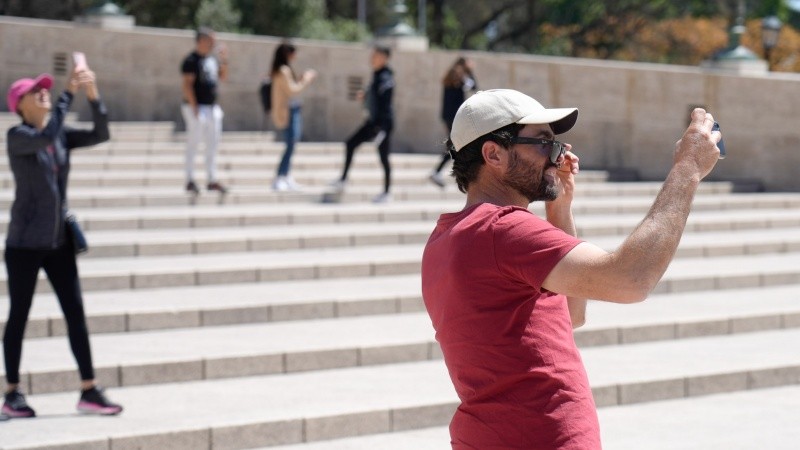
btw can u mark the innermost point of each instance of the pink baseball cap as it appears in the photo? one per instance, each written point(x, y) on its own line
point(25, 85)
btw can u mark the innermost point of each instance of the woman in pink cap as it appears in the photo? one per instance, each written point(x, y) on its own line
point(39, 156)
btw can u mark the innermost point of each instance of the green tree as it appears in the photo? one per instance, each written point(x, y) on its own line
point(221, 15)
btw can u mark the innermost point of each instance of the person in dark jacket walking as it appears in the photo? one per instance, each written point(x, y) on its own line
point(378, 127)
point(39, 153)
point(457, 82)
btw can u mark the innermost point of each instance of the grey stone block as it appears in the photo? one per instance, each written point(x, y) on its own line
point(243, 366)
point(236, 437)
point(269, 244)
point(377, 239)
point(592, 338)
point(346, 270)
point(397, 268)
point(410, 304)
point(69, 380)
point(358, 424)
point(141, 321)
point(775, 279)
point(172, 440)
point(739, 281)
point(365, 307)
point(691, 284)
point(321, 359)
point(167, 372)
point(606, 396)
point(35, 328)
point(165, 248)
point(234, 315)
point(393, 354)
point(778, 376)
point(661, 332)
point(326, 241)
point(106, 282)
point(422, 416)
point(714, 384)
point(791, 320)
point(651, 391)
point(284, 273)
point(99, 444)
point(703, 328)
point(157, 280)
point(221, 246)
point(220, 276)
point(315, 310)
point(107, 323)
point(756, 323)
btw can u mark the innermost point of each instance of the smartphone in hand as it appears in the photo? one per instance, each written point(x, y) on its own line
point(79, 60)
point(721, 143)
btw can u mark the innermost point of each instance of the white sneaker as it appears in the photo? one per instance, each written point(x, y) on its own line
point(338, 185)
point(280, 184)
point(293, 185)
point(437, 179)
point(384, 197)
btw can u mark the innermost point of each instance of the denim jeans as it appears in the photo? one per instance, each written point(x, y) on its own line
point(291, 134)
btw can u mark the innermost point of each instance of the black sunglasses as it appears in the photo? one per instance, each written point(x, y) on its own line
point(549, 147)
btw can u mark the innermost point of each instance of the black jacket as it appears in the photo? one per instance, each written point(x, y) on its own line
point(39, 161)
point(379, 99)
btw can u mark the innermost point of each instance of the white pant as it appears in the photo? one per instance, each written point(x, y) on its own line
point(206, 126)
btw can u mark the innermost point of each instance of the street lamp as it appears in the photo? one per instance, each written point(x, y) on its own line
point(770, 29)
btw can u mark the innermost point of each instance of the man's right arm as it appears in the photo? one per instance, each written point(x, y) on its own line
point(188, 90)
point(629, 274)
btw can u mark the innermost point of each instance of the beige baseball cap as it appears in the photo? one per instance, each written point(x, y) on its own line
point(490, 110)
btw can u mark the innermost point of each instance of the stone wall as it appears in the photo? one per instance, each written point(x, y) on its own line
point(631, 114)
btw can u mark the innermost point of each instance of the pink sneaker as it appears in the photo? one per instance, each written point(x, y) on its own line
point(94, 401)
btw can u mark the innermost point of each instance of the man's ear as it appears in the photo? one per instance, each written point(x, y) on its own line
point(494, 154)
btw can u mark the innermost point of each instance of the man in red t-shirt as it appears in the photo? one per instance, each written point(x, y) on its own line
point(504, 288)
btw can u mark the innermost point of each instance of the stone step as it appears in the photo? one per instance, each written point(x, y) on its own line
point(326, 404)
point(228, 147)
point(690, 423)
point(207, 352)
point(88, 161)
point(198, 241)
point(663, 316)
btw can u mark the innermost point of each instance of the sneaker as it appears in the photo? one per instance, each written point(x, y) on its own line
point(192, 188)
point(437, 179)
point(217, 186)
point(293, 185)
point(94, 401)
point(338, 185)
point(16, 406)
point(281, 184)
point(382, 198)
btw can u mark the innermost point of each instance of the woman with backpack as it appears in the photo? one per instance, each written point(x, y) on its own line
point(286, 109)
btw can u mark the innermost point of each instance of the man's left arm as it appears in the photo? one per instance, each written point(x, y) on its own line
point(222, 60)
point(559, 214)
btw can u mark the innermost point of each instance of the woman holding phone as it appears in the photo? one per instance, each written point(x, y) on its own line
point(286, 114)
point(39, 157)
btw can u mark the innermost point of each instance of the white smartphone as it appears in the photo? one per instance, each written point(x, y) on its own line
point(79, 59)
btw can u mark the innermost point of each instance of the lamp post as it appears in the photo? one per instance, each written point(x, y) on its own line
point(770, 30)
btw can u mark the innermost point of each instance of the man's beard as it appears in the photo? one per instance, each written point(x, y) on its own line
point(530, 181)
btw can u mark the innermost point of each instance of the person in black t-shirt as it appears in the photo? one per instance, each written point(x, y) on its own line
point(202, 71)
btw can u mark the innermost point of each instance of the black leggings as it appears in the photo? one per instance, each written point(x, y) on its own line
point(366, 133)
point(23, 267)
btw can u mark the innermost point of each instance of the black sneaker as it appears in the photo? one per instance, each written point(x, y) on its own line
point(192, 188)
point(216, 186)
point(16, 406)
point(94, 401)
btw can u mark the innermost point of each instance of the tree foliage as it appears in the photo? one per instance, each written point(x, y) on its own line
point(683, 32)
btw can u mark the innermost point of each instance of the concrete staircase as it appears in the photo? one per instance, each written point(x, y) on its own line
point(272, 320)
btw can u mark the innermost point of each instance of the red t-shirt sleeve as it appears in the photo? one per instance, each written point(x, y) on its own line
point(527, 247)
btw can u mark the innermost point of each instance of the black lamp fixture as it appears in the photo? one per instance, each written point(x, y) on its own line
point(770, 30)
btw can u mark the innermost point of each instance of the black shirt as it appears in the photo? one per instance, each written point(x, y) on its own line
point(206, 76)
point(379, 98)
